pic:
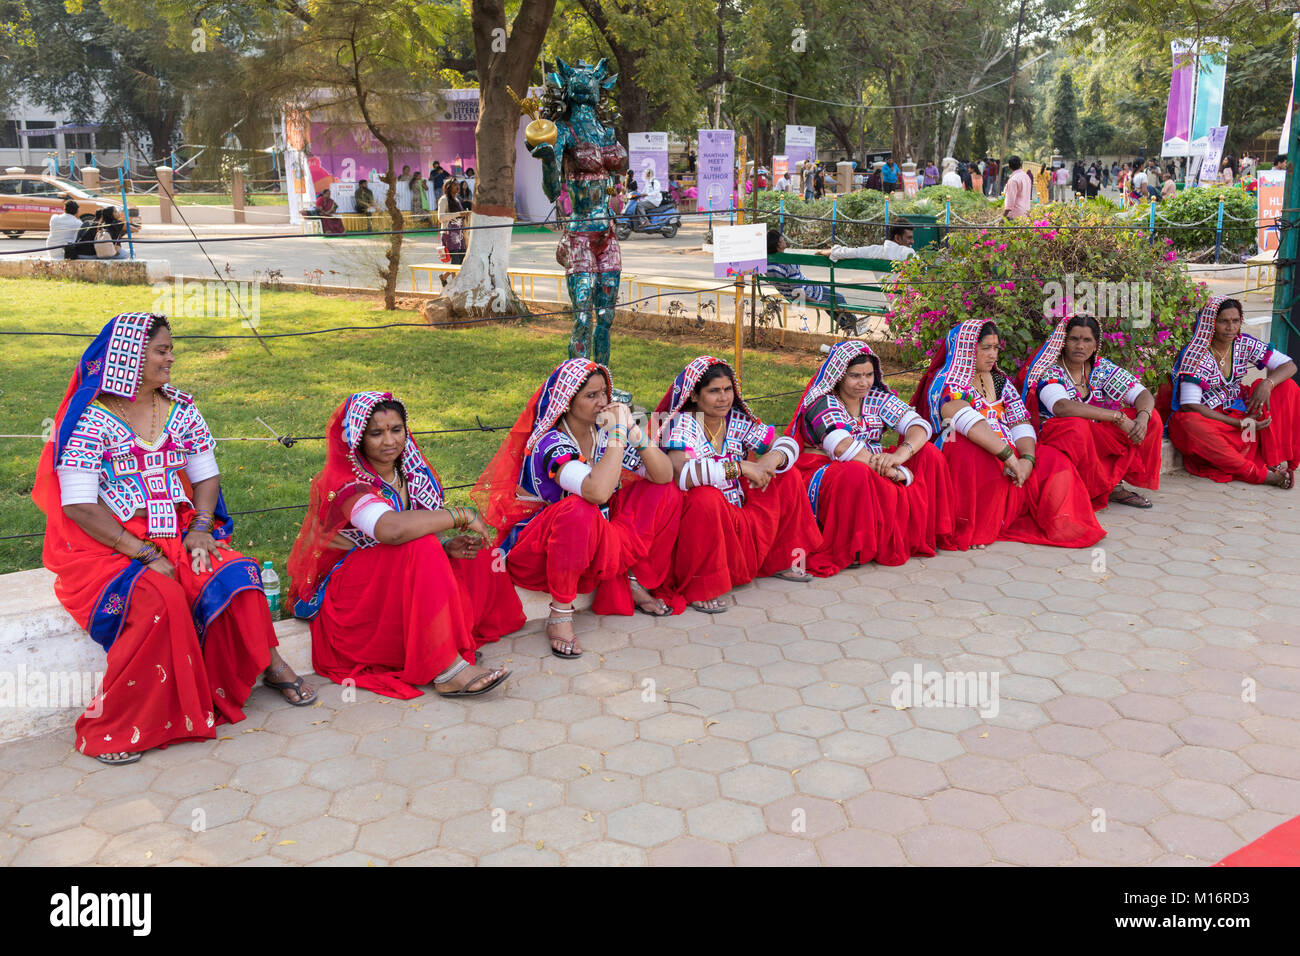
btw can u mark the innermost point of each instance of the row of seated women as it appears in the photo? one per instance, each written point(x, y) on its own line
point(579, 497)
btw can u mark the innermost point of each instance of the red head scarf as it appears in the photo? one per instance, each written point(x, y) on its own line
point(346, 475)
point(496, 491)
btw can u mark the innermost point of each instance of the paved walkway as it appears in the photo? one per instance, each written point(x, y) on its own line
point(1148, 712)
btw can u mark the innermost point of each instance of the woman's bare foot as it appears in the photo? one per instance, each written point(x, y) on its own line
point(712, 606)
point(647, 602)
point(559, 629)
point(471, 680)
point(280, 676)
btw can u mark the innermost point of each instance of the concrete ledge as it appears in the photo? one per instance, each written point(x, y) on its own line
point(38, 637)
point(110, 271)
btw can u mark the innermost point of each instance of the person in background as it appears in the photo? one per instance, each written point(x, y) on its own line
point(1061, 184)
point(467, 188)
point(784, 185)
point(111, 224)
point(364, 200)
point(897, 246)
point(1139, 180)
point(806, 180)
point(1016, 198)
point(760, 181)
point(931, 177)
point(419, 201)
point(1225, 174)
point(1169, 188)
point(889, 176)
point(451, 221)
point(63, 231)
point(1280, 162)
point(950, 176)
point(438, 176)
point(819, 182)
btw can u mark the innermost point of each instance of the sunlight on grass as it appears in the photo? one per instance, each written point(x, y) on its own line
point(445, 376)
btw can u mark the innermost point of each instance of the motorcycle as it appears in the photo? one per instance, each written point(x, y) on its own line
point(663, 219)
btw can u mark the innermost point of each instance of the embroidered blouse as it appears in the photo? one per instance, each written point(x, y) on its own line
point(829, 421)
point(743, 435)
point(1109, 386)
point(373, 505)
point(1008, 416)
point(104, 460)
point(1207, 386)
point(556, 467)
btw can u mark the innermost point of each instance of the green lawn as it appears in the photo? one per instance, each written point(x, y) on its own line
point(445, 376)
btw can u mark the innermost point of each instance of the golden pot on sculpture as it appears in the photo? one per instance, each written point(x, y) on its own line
point(539, 130)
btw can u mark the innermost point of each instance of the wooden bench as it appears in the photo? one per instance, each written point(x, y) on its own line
point(522, 281)
point(1265, 267)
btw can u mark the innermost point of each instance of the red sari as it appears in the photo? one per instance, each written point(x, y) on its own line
point(1099, 451)
point(1051, 508)
point(863, 515)
point(1217, 450)
point(559, 543)
point(732, 535)
point(183, 653)
point(388, 617)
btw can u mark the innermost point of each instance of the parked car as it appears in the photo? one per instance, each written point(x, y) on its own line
point(28, 200)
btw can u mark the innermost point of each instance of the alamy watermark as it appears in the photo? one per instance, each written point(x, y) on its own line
point(213, 299)
point(946, 689)
point(42, 689)
point(1104, 300)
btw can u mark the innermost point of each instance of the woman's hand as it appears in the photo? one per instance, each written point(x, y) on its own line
point(162, 566)
point(463, 546)
point(1018, 469)
point(758, 474)
point(1258, 398)
point(1138, 433)
point(202, 548)
point(1256, 423)
point(885, 462)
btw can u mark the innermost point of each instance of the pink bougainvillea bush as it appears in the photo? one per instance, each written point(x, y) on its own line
point(1060, 260)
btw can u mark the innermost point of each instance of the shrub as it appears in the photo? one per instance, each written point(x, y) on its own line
point(1018, 277)
point(1201, 206)
point(860, 216)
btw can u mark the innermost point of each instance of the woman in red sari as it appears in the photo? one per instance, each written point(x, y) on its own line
point(136, 531)
point(742, 517)
point(871, 505)
point(1096, 413)
point(391, 606)
point(582, 502)
point(1225, 430)
point(1007, 487)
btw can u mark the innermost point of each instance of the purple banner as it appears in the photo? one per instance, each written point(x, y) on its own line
point(1178, 114)
point(716, 169)
point(800, 146)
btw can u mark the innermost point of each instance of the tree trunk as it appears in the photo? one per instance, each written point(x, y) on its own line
point(394, 254)
point(482, 287)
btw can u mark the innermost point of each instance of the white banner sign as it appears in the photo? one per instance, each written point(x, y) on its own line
point(1213, 156)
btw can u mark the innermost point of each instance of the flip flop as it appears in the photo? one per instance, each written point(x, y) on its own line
point(709, 610)
point(474, 693)
point(664, 610)
point(790, 574)
point(295, 686)
point(118, 760)
point(1130, 498)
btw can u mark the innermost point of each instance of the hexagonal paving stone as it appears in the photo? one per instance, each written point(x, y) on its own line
point(724, 821)
point(640, 757)
point(1028, 845)
point(681, 788)
point(930, 745)
point(935, 845)
point(283, 808)
point(964, 809)
point(809, 721)
point(768, 849)
point(904, 775)
point(644, 825)
point(784, 750)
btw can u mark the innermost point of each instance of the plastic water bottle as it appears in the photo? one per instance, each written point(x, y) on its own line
point(271, 585)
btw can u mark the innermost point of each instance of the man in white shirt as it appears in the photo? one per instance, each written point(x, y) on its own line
point(898, 247)
point(1062, 184)
point(784, 185)
point(63, 230)
point(650, 196)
